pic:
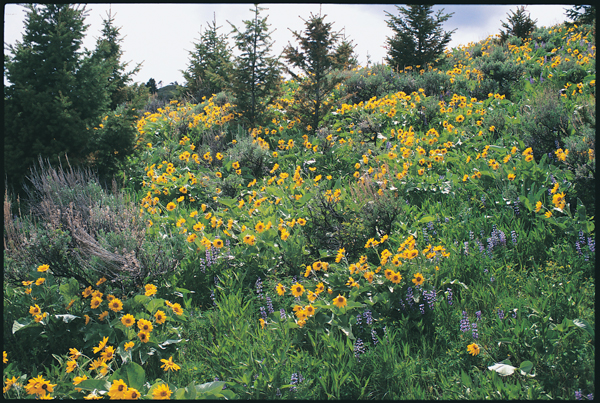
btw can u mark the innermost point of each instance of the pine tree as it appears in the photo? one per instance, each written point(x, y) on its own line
point(210, 64)
point(582, 14)
point(55, 91)
point(317, 57)
point(108, 52)
point(255, 79)
point(151, 85)
point(418, 37)
point(519, 24)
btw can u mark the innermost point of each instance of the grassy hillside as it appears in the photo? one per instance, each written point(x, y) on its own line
point(433, 239)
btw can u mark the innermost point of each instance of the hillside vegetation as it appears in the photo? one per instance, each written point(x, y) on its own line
point(433, 238)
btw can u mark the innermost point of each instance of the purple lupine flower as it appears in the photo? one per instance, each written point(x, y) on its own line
point(531, 80)
point(492, 279)
point(258, 286)
point(514, 314)
point(368, 316)
point(374, 336)
point(202, 266)
point(402, 304)
point(500, 314)
point(516, 209)
point(409, 296)
point(471, 235)
point(478, 315)
point(422, 308)
point(590, 396)
point(449, 296)
point(464, 322)
point(263, 313)
point(474, 330)
point(578, 248)
point(212, 297)
point(514, 236)
point(591, 244)
point(582, 237)
point(270, 305)
point(466, 243)
point(481, 247)
point(282, 313)
point(359, 348)
point(502, 238)
point(359, 319)
point(578, 394)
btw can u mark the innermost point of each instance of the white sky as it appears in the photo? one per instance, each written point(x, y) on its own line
point(161, 35)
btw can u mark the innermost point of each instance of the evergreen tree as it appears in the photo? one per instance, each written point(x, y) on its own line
point(255, 79)
point(108, 52)
point(55, 91)
point(582, 14)
point(418, 37)
point(519, 24)
point(317, 57)
point(151, 85)
point(344, 57)
point(210, 64)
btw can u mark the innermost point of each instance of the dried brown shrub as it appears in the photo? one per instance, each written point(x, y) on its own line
point(82, 232)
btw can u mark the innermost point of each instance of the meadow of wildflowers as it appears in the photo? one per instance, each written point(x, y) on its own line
point(423, 243)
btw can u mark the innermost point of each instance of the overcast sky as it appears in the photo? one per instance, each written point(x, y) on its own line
point(161, 35)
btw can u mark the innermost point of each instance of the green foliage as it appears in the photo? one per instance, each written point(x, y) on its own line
point(582, 14)
point(209, 66)
point(316, 59)
point(519, 24)
point(418, 37)
point(108, 53)
point(413, 247)
point(55, 91)
point(255, 79)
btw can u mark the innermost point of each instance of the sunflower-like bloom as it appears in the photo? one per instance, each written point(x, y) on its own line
point(297, 290)
point(115, 305)
point(132, 394)
point(150, 290)
point(473, 349)
point(169, 365)
point(177, 309)
point(101, 345)
point(395, 278)
point(419, 279)
point(162, 392)
point(43, 268)
point(160, 317)
point(340, 301)
point(145, 325)
point(118, 389)
point(128, 320)
point(35, 310)
point(280, 289)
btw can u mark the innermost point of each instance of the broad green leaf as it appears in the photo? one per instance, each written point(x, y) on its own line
point(94, 384)
point(526, 367)
point(190, 392)
point(584, 325)
point(154, 304)
point(20, 325)
point(132, 374)
point(210, 387)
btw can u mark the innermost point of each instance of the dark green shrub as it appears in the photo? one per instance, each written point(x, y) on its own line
point(544, 122)
point(505, 72)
